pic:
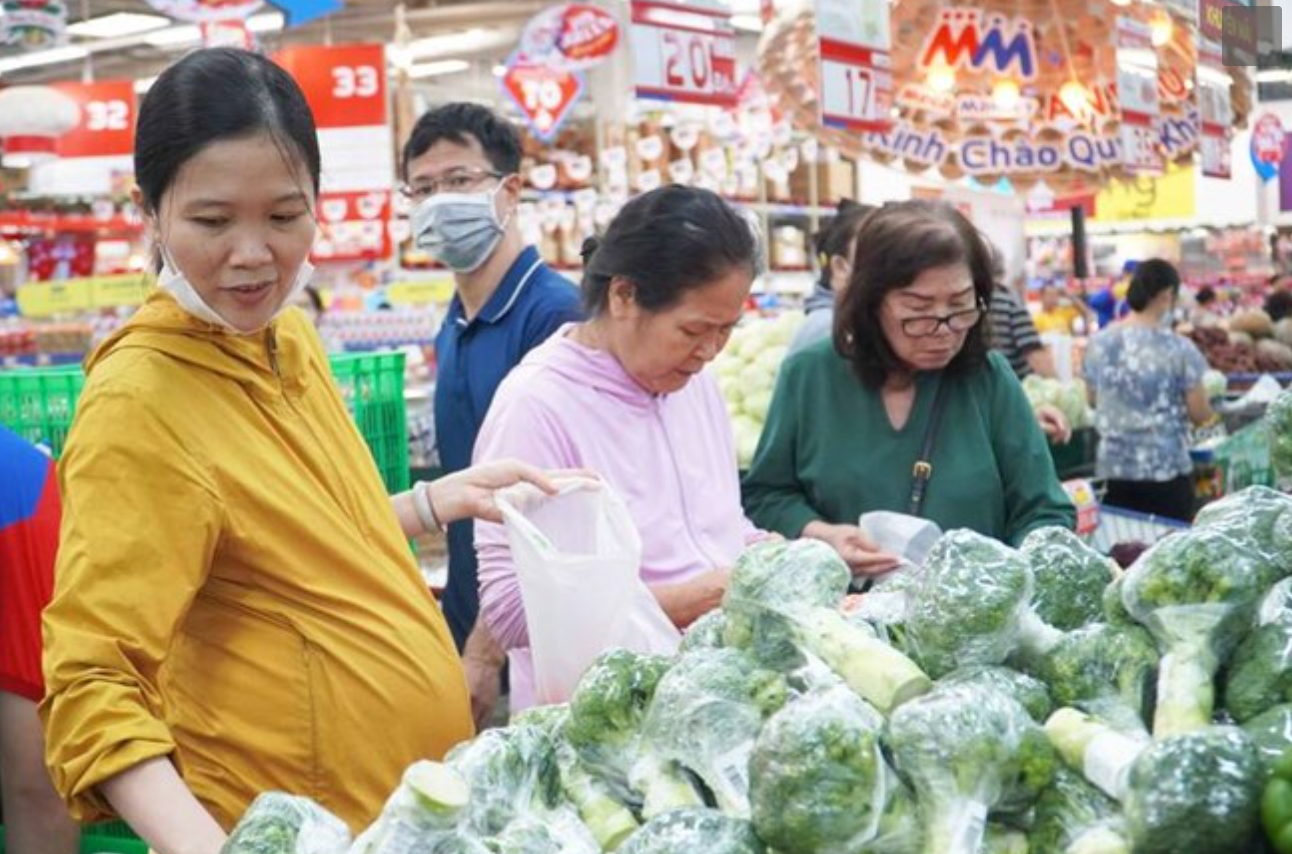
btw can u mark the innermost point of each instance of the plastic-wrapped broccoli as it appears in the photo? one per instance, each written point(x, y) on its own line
point(1115, 612)
point(818, 779)
point(1257, 517)
point(705, 633)
point(1260, 672)
point(1101, 753)
point(699, 830)
point(1104, 669)
point(1278, 419)
point(1070, 577)
point(278, 823)
point(782, 606)
point(1030, 692)
point(511, 771)
point(426, 807)
point(966, 750)
point(707, 711)
point(548, 833)
point(1199, 792)
point(1271, 732)
point(1073, 816)
point(971, 606)
point(1197, 592)
point(604, 727)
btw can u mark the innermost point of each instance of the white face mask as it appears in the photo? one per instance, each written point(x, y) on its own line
point(177, 285)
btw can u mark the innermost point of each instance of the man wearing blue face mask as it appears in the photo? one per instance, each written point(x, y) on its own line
point(461, 166)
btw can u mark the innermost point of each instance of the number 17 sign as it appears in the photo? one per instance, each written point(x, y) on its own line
point(855, 64)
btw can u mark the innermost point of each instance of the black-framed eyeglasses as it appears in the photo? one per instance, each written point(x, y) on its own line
point(457, 181)
point(956, 321)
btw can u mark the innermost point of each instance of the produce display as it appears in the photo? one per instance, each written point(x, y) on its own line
point(1069, 397)
point(746, 370)
point(984, 714)
point(1253, 344)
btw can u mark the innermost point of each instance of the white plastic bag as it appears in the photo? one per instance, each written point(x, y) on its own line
point(910, 538)
point(578, 556)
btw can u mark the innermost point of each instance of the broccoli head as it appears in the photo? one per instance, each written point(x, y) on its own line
point(277, 823)
point(700, 830)
point(1109, 670)
point(430, 802)
point(1115, 611)
point(511, 771)
point(1070, 577)
point(1031, 693)
point(707, 711)
point(1257, 517)
point(1278, 420)
point(1197, 592)
point(1199, 792)
point(705, 633)
point(1072, 814)
point(818, 779)
point(966, 750)
point(1271, 732)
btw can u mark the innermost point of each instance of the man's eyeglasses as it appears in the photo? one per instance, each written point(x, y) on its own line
point(457, 181)
point(957, 321)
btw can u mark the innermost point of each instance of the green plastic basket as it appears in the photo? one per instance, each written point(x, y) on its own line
point(113, 837)
point(39, 403)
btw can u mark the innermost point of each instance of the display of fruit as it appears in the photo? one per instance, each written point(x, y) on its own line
point(746, 371)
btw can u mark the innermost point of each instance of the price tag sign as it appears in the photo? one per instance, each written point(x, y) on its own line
point(544, 94)
point(113, 291)
point(855, 66)
point(685, 52)
point(107, 126)
point(1137, 90)
point(344, 84)
point(421, 292)
point(45, 299)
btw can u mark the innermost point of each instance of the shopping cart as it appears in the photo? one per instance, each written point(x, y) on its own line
point(1127, 526)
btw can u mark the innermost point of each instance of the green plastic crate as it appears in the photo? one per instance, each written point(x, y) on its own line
point(372, 386)
point(39, 404)
point(114, 837)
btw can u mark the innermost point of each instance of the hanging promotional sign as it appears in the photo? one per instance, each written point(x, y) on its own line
point(1215, 112)
point(684, 51)
point(297, 12)
point(570, 37)
point(1267, 146)
point(854, 64)
point(96, 156)
point(198, 11)
point(33, 24)
point(1137, 90)
point(545, 95)
point(353, 226)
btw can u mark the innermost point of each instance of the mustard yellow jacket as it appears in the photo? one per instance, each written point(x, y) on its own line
point(233, 588)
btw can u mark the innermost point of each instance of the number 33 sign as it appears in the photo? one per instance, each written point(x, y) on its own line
point(344, 84)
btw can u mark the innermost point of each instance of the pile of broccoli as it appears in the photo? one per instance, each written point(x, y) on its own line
point(1037, 700)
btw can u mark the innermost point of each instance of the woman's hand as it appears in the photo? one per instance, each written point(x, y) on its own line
point(689, 601)
point(857, 550)
point(1054, 424)
point(470, 493)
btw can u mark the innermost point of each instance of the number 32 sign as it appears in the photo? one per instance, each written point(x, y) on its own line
point(107, 126)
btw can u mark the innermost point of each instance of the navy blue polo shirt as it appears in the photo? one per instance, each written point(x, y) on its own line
point(473, 357)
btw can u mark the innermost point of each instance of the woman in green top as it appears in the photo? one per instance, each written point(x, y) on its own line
point(850, 416)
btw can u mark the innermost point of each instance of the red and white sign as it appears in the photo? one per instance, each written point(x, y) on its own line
point(855, 66)
point(96, 157)
point(570, 37)
point(544, 94)
point(685, 50)
point(1215, 112)
point(1137, 91)
point(1268, 139)
point(205, 10)
point(346, 89)
point(353, 227)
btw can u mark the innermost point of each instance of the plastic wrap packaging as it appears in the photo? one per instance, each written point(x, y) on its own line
point(1070, 577)
point(967, 750)
point(1278, 419)
point(1110, 671)
point(707, 711)
point(1197, 592)
point(910, 538)
point(708, 632)
point(783, 608)
point(1271, 732)
point(1260, 519)
point(1101, 753)
point(1198, 792)
point(971, 606)
point(819, 781)
point(1031, 693)
point(511, 772)
point(278, 823)
point(1259, 676)
point(699, 830)
point(423, 813)
point(1072, 816)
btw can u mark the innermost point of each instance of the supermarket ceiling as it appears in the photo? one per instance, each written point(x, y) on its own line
point(107, 45)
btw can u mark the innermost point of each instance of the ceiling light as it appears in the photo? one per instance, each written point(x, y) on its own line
point(748, 23)
point(266, 22)
point(500, 70)
point(43, 57)
point(174, 36)
point(438, 69)
point(116, 25)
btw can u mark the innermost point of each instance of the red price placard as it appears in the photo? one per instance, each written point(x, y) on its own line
point(684, 52)
point(107, 126)
point(344, 84)
point(545, 95)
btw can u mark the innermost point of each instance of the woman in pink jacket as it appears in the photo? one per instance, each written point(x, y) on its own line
point(625, 394)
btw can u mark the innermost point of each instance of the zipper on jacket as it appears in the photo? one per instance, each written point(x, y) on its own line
point(271, 342)
point(681, 488)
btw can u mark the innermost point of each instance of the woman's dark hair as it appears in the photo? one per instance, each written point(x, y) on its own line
point(459, 123)
point(1151, 278)
point(1205, 296)
point(897, 243)
point(835, 236)
point(667, 242)
point(1278, 305)
point(212, 95)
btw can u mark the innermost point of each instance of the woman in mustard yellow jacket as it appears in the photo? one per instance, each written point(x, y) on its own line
point(236, 606)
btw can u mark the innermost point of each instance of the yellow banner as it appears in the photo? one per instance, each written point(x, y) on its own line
point(45, 299)
point(128, 289)
point(422, 292)
point(1170, 196)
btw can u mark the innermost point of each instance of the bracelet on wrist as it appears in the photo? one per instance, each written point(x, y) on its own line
point(425, 509)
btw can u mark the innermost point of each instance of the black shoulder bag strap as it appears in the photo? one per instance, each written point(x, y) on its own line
point(923, 469)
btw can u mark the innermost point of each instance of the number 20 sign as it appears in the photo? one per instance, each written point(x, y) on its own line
point(684, 52)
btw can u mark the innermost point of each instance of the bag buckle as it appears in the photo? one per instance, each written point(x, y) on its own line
point(922, 469)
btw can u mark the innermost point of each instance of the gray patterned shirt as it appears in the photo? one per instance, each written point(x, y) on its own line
point(1141, 378)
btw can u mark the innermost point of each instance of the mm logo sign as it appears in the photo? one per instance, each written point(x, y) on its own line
point(965, 38)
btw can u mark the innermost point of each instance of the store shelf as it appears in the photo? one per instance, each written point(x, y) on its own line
point(41, 360)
